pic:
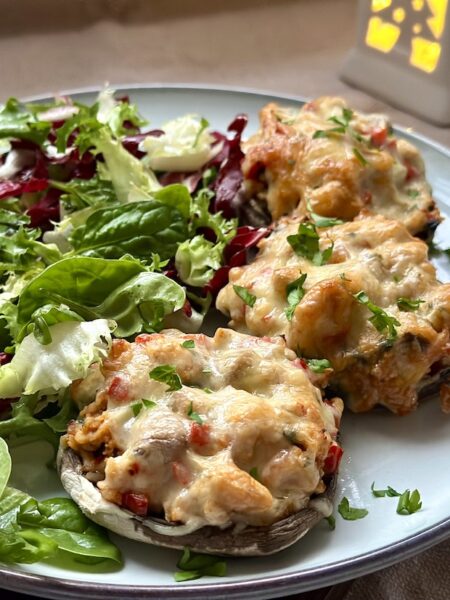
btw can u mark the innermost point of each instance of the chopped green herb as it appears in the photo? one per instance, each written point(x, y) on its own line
point(254, 473)
point(188, 344)
point(409, 503)
point(413, 193)
point(331, 522)
point(136, 408)
point(306, 243)
point(207, 390)
point(342, 124)
point(244, 295)
point(148, 403)
point(294, 294)
point(344, 277)
point(407, 305)
point(360, 157)
point(318, 365)
point(349, 513)
point(389, 491)
point(194, 566)
point(167, 374)
point(320, 221)
point(381, 320)
point(194, 416)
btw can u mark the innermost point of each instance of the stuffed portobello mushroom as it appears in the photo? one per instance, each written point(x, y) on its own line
point(222, 444)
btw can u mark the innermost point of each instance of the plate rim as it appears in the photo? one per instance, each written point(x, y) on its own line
point(255, 588)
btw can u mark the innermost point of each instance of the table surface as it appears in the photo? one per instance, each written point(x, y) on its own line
point(285, 46)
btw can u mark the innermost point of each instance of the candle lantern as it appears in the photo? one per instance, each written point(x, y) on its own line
point(403, 55)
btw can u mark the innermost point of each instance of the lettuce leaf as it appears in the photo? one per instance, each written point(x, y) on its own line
point(73, 348)
point(31, 531)
point(197, 259)
point(185, 146)
point(138, 228)
point(16, 121)
point(125, 171)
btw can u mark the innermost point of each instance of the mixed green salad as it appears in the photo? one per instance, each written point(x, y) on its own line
point(108, 228)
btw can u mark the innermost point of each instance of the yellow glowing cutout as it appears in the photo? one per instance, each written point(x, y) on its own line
point(424, 54)
point(399, 15)
point(382, 36)
point(401, 26)
point(378, 5)
point(437, 22)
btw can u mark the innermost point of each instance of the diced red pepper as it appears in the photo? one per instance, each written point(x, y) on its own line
point(411, 171)
point(118, 388)
point(180, 473)
point(333, 459)
point(143, 338)
point(300, 363)
point(135, 502)
point(378, 137)
point(199, 434)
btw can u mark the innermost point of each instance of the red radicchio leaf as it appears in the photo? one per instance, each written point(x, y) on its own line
point(235, 255)
point(45, 210)
point(131, 142)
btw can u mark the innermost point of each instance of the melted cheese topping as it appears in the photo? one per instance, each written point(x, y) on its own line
point(371, 254)
point(362, 166)
point(244, 440)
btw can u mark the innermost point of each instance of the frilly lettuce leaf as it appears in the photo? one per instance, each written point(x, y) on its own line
point(197, 259)
point(46, 369)
point(185, 145)
point(124, 170)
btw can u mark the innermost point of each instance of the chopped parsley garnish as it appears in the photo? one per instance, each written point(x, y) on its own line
point(413, 193)
point(407, 305)
point(193, 566)
point(331, 522)
point(207, 390)
point(381, 320)
point(409, 503)
point(291, 436)
point(138, 406)
point(342, 125)
point(244, 295)
point(188, 344)
point(389, 491)
point(254, 473)
point(349, 513)
point(194, 416)
point(320, 221)
point(306, 243)
point(318, 365)
point(294, 293)
point(360, 157)
point(167, 374)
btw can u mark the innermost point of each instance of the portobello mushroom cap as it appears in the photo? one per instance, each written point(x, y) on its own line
point(232, 541)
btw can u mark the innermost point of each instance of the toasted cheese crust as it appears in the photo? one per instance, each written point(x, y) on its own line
point(372, 254)
point(360, 165)
point(244, 440)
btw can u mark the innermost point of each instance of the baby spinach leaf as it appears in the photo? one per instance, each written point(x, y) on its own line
point(136, 228)
point(83, 193)
point(18, 122)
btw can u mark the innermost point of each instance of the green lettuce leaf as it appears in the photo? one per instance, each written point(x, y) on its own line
point(81, 193)
point(5, 465)
point(137, 228)
point(125, 171)
point(49, 368)
point(16, 121)
point(197, 259)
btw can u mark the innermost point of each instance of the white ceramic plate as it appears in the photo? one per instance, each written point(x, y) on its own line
point(404, 452)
